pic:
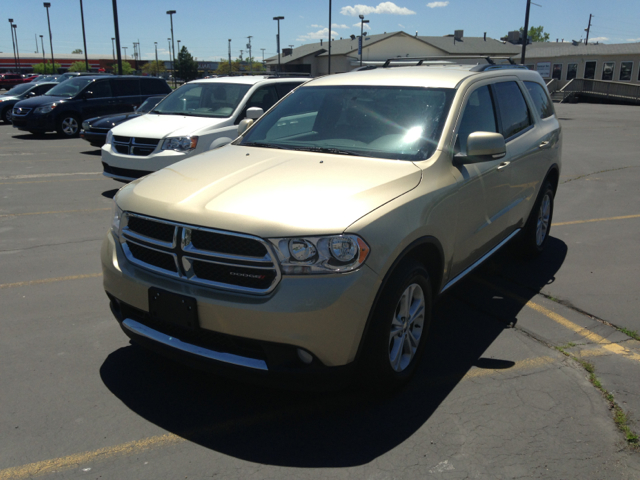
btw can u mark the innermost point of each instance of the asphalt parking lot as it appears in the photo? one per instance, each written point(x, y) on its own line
point(529, 363)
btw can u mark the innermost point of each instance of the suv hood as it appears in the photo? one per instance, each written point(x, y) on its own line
point(268, 192)
point(153, 125)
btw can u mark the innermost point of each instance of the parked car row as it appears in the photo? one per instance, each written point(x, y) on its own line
point(10, 80)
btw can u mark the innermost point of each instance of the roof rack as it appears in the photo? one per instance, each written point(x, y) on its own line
point(444, 59)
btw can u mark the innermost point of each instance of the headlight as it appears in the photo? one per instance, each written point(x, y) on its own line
point(115, 219)
point(107, 141)
point(180, 144)
point(45, 108)
point(326, 254)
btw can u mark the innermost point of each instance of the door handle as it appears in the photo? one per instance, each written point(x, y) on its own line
point(544, 144)
point(503, 165)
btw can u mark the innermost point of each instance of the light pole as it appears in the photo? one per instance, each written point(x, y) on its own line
point(113, 48)
point(250, 60)
point(329, 61)
point(84, 38)
point(170, 61)
point(278, 40)
point(173, 57)
point(117, 37)
point(156, 45)
point(526, 31)
point(15, 61)
point(42, 43)
point(53, 61)
point(263, 49)
point(229, 56)
point(362, 22)
point(15, 28)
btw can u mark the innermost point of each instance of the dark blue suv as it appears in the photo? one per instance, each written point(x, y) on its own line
point(63, 108)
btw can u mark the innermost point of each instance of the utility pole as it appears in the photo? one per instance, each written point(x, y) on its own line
point(84, 38)
point(229, 56)
point(263, 49)
point(135, 56)
point(156, 45)
point(526, 31)
point(588, 29)
point(15, 27)
point(47, 5)
point(15, 61)
point(241, 55)
point(250, 60)
point(125, 53)
point(42, 43)
point(36, 36)
point(329, 62)
point(117, 37)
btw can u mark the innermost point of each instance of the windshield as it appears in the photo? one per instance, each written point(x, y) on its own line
point(19, 89)
point(217, 100)
point(69, 88)
point(148, 104)
point(48, 78)
point(385, 122)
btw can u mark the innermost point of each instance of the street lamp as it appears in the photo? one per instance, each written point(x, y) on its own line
point(53, 61)
point(156, 45)
point(15, 61)
point(84, 38)
point(170, 61)
point(15, 28)
point(362, 22)
point(229, 56)
point(42, 43)
point(173, 56)
point(278, 40)
point(178, 47)
point(113, 48)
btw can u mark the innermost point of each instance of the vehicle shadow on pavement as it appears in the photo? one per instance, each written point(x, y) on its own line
point(93, 153)
point(331, 429)
point(38, 136)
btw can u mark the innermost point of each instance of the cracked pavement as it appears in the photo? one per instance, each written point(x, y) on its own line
point(492, 399)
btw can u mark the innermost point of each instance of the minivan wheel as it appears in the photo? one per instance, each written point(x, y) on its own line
point(398, 330)
point(535, 234)
point(68, 126)
point(6, 115)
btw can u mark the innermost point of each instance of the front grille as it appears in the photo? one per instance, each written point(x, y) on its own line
point(21, 112)
point(200, 255)
point(137, 146)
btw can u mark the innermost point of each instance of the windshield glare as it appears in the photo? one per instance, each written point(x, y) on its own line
point(217, 100)
point(402, 123)
point(20, 89)
point(69, 88)
point(148, 104)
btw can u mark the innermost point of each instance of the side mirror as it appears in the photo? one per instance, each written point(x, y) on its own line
point(31, 94)
point(87, 94)
point(483, 147)
point(245, 124)
point(254, 113)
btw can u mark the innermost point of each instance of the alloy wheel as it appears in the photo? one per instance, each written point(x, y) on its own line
point(70, 126)
point(544, 215)
point(406, 327)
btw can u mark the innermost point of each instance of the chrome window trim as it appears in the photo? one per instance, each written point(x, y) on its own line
point(150, 333)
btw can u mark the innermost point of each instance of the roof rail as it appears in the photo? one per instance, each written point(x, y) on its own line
point(439, 59)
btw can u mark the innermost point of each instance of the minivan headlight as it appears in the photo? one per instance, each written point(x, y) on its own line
point(322, 254)
point(180, 144)
point(116, 217)
point(45, 108)
point(107, 140)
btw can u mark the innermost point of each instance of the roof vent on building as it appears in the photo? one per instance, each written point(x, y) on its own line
point(320, 42)
point(513, 37)
point(485, 36)
point(416, 33)
point(353, 37)
point(575, 43)
point(287, 51)
point(458, 34)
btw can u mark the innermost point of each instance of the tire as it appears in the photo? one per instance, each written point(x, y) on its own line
point(68, 126)
point(535, 234)
point(6, 115)
point(398, 331)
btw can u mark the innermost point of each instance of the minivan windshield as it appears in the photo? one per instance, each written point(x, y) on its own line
point(69, 88)
point(19, 89)
point(403, 123)
point(217, 100)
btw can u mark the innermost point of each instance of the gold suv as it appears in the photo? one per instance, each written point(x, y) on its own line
point(314, 245)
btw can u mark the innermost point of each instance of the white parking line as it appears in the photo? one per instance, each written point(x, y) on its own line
point(43, 175)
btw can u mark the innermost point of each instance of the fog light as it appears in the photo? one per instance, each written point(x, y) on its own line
point(305, 356)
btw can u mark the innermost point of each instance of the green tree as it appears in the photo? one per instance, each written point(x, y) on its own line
point(186, 67)
point(223, 67)
point(153, 68)
point(78, 67)
point(44, 68)
point(77, 50)
point(127, 69)
point(536, 34)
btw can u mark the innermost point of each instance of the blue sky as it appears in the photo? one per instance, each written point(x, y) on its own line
point(205, 25)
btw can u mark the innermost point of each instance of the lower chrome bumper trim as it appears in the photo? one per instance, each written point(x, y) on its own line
point(140, 329)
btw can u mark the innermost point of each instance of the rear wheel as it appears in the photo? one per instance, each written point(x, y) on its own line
point(68, 126)
point(396, 337)
point(535, 234)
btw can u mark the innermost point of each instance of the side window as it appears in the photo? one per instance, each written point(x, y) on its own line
point(478, 116)
point(557, 71)
point(127, 86)
point(40, 89)
point(625, 71)
point(101, 89)
point(589, 70)
point(540, 99)
point(607, 70)
point(572, 69)
point(512, 107)
point(154, 86)
point(264, 97)
point(284, 88)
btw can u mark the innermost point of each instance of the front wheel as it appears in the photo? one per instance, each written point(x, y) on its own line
point(535, 234)
point(398, 330)
point(68, 126)
point(6, 115)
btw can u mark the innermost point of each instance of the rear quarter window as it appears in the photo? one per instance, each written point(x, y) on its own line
point(126, 87)
point(540, 99)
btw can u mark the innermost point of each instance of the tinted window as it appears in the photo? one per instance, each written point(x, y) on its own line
point(100, 89)
point(204, 100)
point(479, 116)
point(512, 107)
point(557, 71)
point(40, 89)
point(589, 70)
point(148, 104)
point(284, 88)
point(264, 98)
point(625, 71)
point(19, 89)
point(607, 70)
point(540, 99)
point(70, 87)
point(153, 86)
point(572, 69)
point(127, 86)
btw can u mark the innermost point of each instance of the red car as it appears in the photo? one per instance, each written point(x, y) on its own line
point(29, 77)
point(10, 80)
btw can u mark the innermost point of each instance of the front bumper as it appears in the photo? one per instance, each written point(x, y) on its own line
point(157, 160)
point(34, 123)
point(324, 315)
point(96, 139)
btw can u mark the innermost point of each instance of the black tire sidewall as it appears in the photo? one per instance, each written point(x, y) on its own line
point(530, 247)
point(4, 114)
point(376, 370)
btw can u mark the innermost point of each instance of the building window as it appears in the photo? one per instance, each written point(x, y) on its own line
point(625, 71)
point(607, 70)
point(557, 71)
point(572, 70)
point(590, 70)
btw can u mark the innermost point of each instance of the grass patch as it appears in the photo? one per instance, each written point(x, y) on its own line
point(630, 333)
point(620, 418)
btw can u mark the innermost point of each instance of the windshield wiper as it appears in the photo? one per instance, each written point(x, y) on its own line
point(263, 145)
point(335, 151)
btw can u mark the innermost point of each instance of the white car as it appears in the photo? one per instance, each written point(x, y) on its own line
point(197, 117)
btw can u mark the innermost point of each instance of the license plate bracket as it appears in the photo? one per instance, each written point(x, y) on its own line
point(173, 308)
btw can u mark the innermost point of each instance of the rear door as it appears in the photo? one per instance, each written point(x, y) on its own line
point(100, 101)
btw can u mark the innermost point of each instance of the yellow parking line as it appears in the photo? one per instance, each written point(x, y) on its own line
point(54, 212)
point(575, 222)
point(48, 280)
point(133, 448)
point(582, 331)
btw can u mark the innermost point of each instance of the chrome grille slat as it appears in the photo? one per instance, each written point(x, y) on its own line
point(226, 270)
point(135, 146)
